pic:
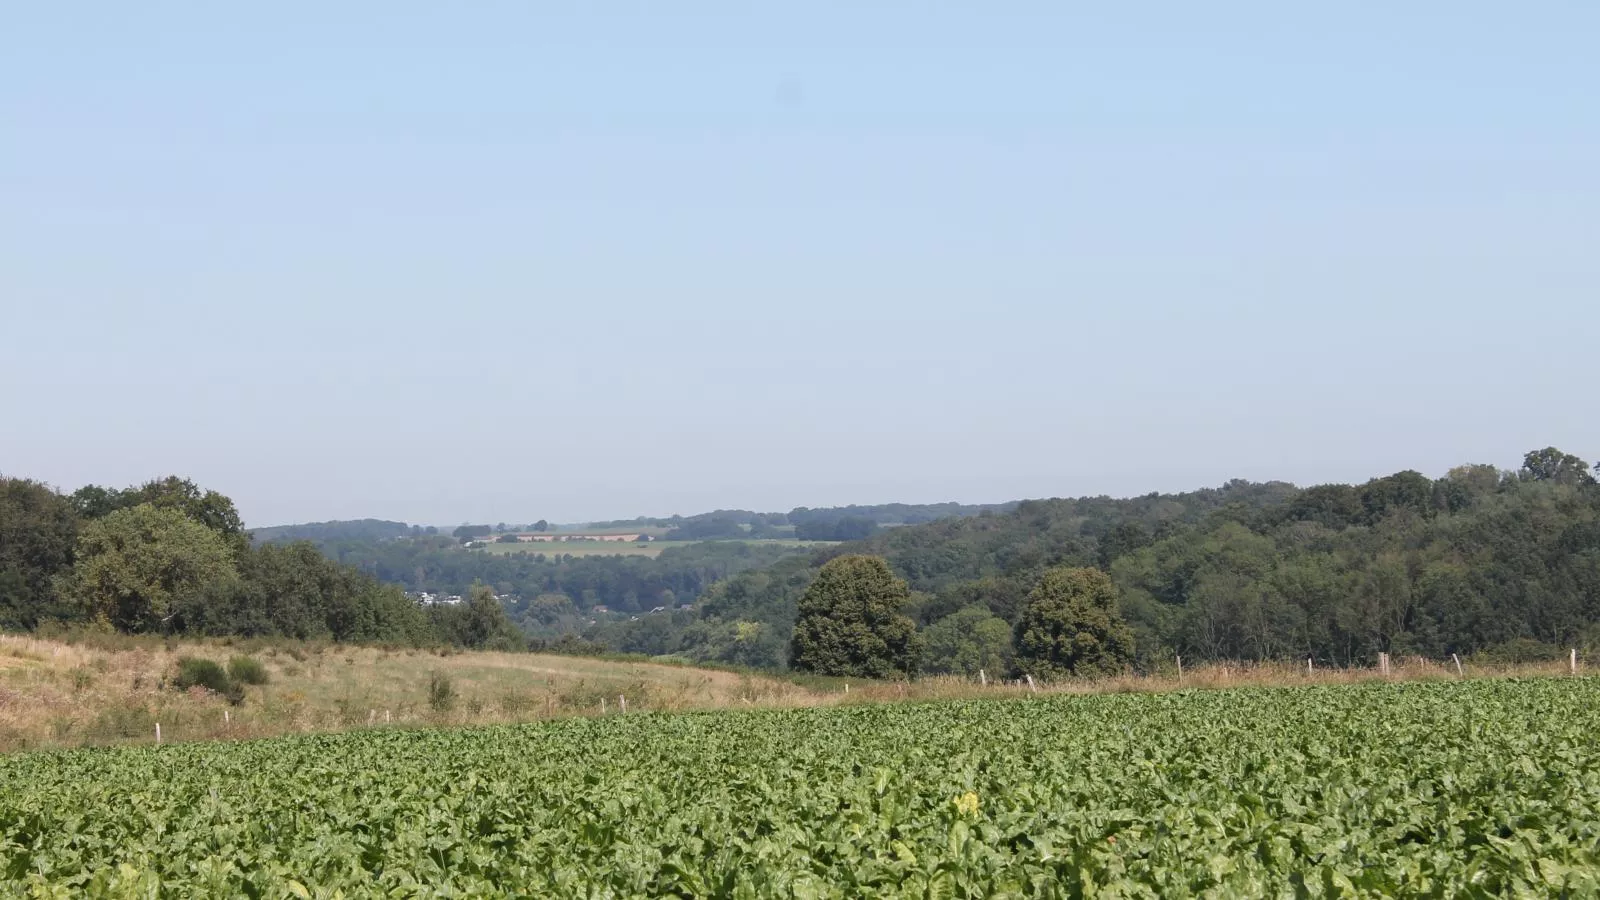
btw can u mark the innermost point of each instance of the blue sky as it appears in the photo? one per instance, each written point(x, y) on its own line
point(507, 261)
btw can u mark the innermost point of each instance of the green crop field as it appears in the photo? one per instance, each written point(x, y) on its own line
point(1444, 789)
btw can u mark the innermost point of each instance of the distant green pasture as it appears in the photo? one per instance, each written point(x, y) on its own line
point(620, 548)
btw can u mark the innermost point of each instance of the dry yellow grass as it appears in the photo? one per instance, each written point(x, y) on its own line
point(55, 694)
point(115, 689)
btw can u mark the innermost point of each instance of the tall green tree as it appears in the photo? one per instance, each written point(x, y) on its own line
point(968, 640)
point(93, 501)
point(294, 591)
point(1403, 490)
point(479, 622)
point(1551, 464)
point(1071, 626)
point(38, 530)
point(486, 625)
point(137, 568)
point(850, 622)
point(212, 509)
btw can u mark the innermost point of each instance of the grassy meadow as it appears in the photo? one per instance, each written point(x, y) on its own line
point(115, 689)
point(106, 689)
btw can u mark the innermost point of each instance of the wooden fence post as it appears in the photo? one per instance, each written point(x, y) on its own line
point(158, 732)
point(622, 702)
point(982, 678)
point(1574, 660)
point(1180, 669)
point(602, 706)
point(1309, 669)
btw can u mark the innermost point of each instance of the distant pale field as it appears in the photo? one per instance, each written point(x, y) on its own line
point(582, 548)
point(621, 548)
point(652, 530)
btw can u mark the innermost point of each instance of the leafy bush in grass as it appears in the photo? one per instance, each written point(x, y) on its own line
point(247, 670)
point(204, 673)
point(441, 692)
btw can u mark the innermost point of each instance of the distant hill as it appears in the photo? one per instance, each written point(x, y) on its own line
point(1480, 561)
point(896, 513)
point(346, 530)
point(852, 522)
point(988, 557)
point(725, 543)
point(833, 523)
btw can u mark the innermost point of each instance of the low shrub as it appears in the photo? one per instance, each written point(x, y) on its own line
point(1518, 651)
point(247, 670)
point(441, 692)
point(204, 673)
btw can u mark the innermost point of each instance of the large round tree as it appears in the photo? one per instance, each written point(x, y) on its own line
point(850, 622)
point(1071, 626)
point(138, 567)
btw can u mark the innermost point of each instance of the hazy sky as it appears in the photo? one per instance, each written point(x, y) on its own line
point(506, 261)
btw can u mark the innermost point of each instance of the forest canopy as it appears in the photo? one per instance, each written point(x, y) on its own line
point(167, 557)
point(1479, 561)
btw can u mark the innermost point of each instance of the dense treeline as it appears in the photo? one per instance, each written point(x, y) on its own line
point(1474, 561)
point(719, 526)
point(726, 523)
point(893, 513)
point(1479, 561)
point(849, 528)
point(168, 558)
point(744, 620)
point(988, 562)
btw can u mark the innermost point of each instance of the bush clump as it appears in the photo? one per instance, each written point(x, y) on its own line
point(204, 673)
point(247, 670)
point(1519, 651)
point(441, 692)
